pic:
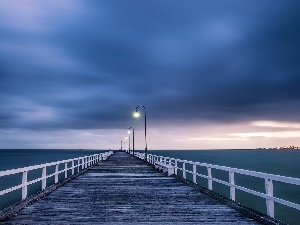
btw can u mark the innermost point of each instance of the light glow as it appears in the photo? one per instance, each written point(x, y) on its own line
point(136, 114)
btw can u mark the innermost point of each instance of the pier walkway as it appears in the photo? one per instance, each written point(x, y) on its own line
point(124, 190)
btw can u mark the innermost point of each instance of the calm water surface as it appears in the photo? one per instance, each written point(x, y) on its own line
point(18, 158)
point(278, 162)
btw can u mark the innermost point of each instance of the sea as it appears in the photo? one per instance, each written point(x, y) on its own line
point(279, 162)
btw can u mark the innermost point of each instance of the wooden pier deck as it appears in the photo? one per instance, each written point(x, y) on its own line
point(124, 190)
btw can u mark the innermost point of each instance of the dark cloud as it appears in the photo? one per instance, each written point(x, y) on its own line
point(89, 66)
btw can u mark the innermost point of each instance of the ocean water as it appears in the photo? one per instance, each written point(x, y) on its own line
point(18, 158)
point(279, 162)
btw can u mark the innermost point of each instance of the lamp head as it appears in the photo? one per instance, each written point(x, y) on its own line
point(136, 114)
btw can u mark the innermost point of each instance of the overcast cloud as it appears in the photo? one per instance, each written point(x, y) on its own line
point(77, 66)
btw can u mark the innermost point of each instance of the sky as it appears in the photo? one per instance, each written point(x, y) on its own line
point(216, 74)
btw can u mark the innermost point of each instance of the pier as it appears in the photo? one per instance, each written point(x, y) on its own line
point(126, 190)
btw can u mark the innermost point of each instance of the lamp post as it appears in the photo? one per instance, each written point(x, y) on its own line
point(132, 139)
point(127, 137)
point(136, 114)
point(121, 145)
point(125, 141)
point(129, 144)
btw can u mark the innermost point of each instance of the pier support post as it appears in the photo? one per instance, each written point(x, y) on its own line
point(194, 173)
point(24, 185)
point(183, 170)
point(66, 171)
point(72, 167)
point(232, 183)
point(56, 173)
point(44, 174)
point(269, 192)
point(209, 180)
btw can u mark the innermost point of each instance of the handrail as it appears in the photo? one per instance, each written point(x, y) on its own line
point(82, 162)
point(269, 178)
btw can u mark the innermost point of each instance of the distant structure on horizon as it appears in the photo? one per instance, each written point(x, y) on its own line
point(282, 148)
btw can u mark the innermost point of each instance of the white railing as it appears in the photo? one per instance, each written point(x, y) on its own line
point(269, 178)
point(136, 154)
point(76, 164)
point(139, 155)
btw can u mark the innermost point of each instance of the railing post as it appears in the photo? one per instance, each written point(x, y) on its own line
point(183, 170)
point(232, 183)
point(72, 167)
point(209, 180)
point(78, 165)
point(66, 171)
point(24, 184)
point(194, 173)
point(56, 173)
point(44, 174)
point(269, 192)
point(175, 167)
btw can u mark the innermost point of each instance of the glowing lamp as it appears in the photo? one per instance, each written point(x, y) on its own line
point(136, 114)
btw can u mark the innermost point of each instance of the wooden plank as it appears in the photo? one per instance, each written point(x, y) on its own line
point(123, 190)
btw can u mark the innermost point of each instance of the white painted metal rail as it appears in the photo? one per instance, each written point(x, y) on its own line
point(75, 165)
point(269, 178)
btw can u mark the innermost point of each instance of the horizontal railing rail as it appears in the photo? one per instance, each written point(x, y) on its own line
point(268, 178)
point(75, 164)
point(139, 155)
point(136, 154)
